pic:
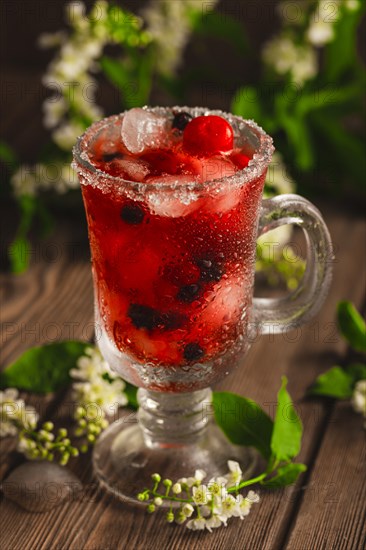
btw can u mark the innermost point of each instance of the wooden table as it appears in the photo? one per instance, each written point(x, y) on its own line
point(325, 510)
point(53, 300)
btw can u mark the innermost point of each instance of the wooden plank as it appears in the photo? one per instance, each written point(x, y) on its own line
point(332, 515)
point(108, 524)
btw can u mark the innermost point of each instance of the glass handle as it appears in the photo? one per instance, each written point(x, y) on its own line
point(275, 315)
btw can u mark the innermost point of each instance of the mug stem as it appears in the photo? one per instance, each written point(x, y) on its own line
point(168, 419)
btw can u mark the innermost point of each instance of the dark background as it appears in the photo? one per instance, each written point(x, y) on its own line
point(23, 62)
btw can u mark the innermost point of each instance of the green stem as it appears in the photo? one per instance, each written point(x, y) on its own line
point(247, 482)
point(174, 499)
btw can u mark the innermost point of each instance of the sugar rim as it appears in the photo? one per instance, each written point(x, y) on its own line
point(256, 166)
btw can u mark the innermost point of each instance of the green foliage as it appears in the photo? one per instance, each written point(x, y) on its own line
point(279, 442)
point(219, 25)
point(7, 154)
point(43, 369)
point(339, 382)
point(308, 122)
point(243, 421)
point(287, 429)
point(352, 326)
point(285, 475)
point(336, 382)
point(19, 254)
point(19, 250)
point(131, 392)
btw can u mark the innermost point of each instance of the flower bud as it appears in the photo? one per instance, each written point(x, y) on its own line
point(177, 488)
point(156, 477)
point(48, 426)
point(170, 517)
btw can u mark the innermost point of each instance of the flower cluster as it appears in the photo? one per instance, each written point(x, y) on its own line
point(43, 444)
point(18, 419)
point(14, 414)
point(201, 505)
point(294, 53)
point(98, 392)
point(169, 25)
point(56, 176)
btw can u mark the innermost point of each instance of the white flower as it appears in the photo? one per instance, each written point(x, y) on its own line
point(284, 56)
point(234, 477)
point(305, 67)
point(187, 509)
point(217, 488)
point(8, 395)
point(92, 388)
point(280, 53)
point(66, 135)
point(75, 11)
point(54, 109)
point(359, 397)
point(197, 524)
point(227, 508)
point(213, 522)
point(200, 494)
point(168, 24)
point(244, 504)
point(320, 33)
point(352, 5)
point(198, 477)
point(24, 181)
point(14, 414)
point(177, 488)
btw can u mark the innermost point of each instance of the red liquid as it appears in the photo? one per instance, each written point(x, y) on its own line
point(172, 290)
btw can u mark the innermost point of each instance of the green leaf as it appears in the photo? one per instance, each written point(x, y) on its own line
point(357, 371)
point(43, 369)
point(19, 253)
point(133, 81)
point(352, 326)
point(131, 392)
point(347, 151)
point(336, 382)
point(7, 154)
point(116, 72)
point(287, 429)
point(341, 52)
point(246, 103)
point(286, 475)
point(327, 96)
point(296, 128)
point(243, 421)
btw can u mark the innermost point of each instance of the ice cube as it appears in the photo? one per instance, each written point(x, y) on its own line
point(172, 203)
point(224, 199)
point(225, 302)
point(134, 169)
point(143, 130)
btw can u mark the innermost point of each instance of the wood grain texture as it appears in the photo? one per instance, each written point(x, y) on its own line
point(61, 292)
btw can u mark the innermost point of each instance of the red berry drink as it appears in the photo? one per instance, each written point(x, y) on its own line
point(172, 199)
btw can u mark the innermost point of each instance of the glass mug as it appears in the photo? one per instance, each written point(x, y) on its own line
point(173, 269)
